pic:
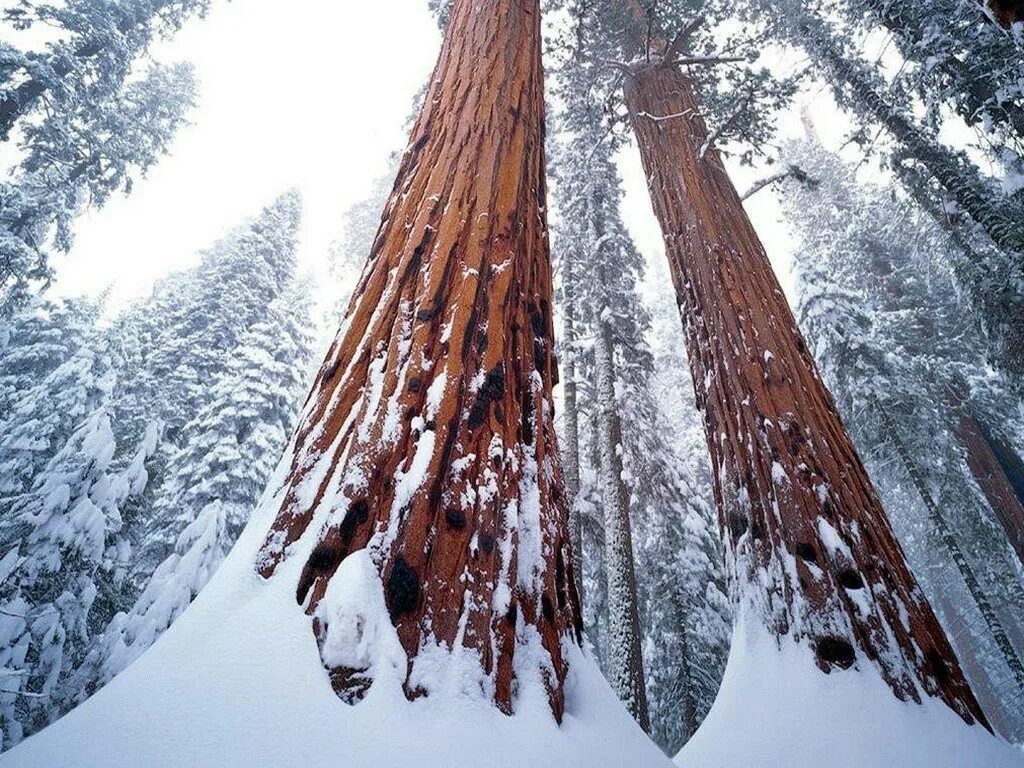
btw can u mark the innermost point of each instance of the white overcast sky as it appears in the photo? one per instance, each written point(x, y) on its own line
point(311, 94)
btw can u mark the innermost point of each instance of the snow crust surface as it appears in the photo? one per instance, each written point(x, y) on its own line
point(776, 708)
point(237, 682)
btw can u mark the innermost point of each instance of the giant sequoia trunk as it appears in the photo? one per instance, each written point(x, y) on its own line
point(428, 437)
point(812, 552)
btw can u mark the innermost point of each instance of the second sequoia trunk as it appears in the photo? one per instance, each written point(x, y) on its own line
point(428, 439)
point(812, 552)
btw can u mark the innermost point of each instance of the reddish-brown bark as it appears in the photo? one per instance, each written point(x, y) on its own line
point(989, 474)
point(1007, 12)
point(812, 552)
point(428, 436)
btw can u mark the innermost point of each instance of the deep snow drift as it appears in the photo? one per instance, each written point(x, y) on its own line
point(775, 708)
point(238, 682)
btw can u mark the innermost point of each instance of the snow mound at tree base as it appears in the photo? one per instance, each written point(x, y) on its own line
point(238, 682)
point(776, 708)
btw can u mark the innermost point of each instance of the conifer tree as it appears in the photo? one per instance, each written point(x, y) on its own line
point(216, 478)
point(47, 374)
point(58, 535)
point(430, 423)
point(37, 339)
point(78, 155)
point(940, 40)
point(100, 44)
point(862, 89)
point(179, 341)
point(810, 548)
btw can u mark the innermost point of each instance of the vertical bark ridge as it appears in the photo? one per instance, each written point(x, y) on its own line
point(811, 550)
point(428, 436)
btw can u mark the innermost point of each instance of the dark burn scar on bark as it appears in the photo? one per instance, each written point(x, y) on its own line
point(403, 590)
point(492, 390)
point(835, 652)
point(323, 559)
point(358, 513)
point(455, 517)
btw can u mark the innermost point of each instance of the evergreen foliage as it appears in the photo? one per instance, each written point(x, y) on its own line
point(85, 127)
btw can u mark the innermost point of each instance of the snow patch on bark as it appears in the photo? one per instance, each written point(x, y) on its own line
point(359, 633)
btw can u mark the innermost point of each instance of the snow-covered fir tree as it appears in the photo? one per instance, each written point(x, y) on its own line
point(170, 420)
point(863, 90)
point(179, 341)
point(37, 339)
point(46, 367)
point(85, 127)
point(937, 41)
point(215, 479)
point(58, 534)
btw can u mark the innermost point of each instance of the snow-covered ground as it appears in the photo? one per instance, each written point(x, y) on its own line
point(238, 682)
point(775, 708)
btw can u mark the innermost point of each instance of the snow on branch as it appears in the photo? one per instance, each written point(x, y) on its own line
point(707, 60)
point(791, 171)
point(716, 134)
point(659, 118)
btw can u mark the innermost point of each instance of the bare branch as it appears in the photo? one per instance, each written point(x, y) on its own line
point(682, 38)
point(619, 65)
point(707, 60)
point(792, 171)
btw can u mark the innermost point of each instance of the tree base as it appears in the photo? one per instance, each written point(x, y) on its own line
point(239, 682)
point(776, 707)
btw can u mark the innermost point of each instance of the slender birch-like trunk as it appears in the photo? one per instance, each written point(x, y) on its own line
point(624, 665)
point(571, 446)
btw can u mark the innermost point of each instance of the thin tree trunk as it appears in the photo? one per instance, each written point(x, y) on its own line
point(624, 665)
point(428, 437)
point(994, 483)
point(1003, 719)
point(995, 627)
point(689, 704)
point(812, 552)
point(571, 448)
